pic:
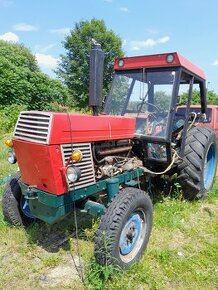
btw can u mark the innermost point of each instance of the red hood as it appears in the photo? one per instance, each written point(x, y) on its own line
point(61, 128)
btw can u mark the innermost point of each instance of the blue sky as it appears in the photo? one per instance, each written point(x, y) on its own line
point(146, 27)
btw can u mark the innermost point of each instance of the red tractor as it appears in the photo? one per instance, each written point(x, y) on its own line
point(105, 162)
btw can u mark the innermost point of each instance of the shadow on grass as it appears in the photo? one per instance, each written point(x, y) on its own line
point(159, 189)
point(54, 237)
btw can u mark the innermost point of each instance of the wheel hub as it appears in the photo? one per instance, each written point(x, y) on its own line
point(130, 234)
point(25, 208)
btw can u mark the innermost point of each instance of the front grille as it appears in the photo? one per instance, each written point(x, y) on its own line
point(86, 165)
point(33, 126)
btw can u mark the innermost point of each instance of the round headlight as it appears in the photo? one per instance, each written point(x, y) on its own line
point(73, 173)
point(11, 157)
point(121, 63)
point(170, 58)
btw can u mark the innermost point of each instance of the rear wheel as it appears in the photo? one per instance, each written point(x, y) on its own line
point(15, 206)
point(125, 229)
point(197, 171)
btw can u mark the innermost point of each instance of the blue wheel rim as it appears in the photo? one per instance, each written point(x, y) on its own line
point(132, 236)
point(210, 166)
point(25, 208)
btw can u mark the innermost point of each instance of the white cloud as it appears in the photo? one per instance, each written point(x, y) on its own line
point(46, 60)
point(60, 31)
point(25, 27)
point(150, 42)
point(215, 62)
point(9, 36)
point(124, 9)
point(163, 39)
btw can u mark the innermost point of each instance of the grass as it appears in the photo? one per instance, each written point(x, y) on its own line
point(182, 252)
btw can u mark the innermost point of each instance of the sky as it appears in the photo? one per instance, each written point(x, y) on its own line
point(189, 27)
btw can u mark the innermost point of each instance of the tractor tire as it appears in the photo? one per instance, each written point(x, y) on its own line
point(197, 170)
point(15, 208)
point(125, 228)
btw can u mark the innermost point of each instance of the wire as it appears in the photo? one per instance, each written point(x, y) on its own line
point(174, 158)
point(80, 269)
point(193, 121)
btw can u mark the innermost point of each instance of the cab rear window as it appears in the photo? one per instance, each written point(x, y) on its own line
point(181, 114)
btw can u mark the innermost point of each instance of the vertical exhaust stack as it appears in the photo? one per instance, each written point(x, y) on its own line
point(96, 70)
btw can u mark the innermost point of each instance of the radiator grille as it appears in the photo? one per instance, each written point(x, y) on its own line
point(86, 165)
point(33, 126)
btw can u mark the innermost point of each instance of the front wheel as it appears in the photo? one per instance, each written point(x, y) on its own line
point(125, 229)
point(14, 205)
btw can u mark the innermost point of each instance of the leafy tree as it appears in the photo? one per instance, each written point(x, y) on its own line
point(74, 66)
point(23, 83)
point(212, 97)
point(162, 100)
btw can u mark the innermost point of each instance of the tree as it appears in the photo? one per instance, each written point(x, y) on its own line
point(212, 97)
point(74, 66)
point(23, 83)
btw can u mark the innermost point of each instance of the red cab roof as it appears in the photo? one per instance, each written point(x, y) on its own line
point(171, 59)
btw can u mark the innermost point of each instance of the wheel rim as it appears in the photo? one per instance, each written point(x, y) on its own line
point(132, 236)
point(210, 166)
point(25, 208)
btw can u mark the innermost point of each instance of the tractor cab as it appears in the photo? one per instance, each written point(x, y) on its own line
point(148, 88)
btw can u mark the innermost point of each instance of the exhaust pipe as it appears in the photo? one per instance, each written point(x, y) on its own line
point(96, 69)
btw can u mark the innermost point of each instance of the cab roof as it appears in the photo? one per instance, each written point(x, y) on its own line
point(172, 59)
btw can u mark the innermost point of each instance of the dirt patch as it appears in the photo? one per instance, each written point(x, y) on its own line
point(63, 275)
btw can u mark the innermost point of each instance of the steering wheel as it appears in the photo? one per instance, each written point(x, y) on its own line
point(149, 104)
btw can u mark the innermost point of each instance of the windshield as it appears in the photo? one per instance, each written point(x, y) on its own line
point(145, 95)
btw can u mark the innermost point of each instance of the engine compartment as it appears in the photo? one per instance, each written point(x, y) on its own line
point(114, 157)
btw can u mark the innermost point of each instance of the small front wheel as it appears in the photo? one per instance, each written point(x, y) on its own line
point(14, 205)
point(125, 229)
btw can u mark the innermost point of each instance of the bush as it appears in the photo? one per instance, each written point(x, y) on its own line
point(23, 83)
point(8, 117)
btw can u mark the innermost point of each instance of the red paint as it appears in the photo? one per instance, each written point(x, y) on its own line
point(41, 165)
point(87, 128)
point(158, 60)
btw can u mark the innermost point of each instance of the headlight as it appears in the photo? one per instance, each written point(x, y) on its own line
point(121, 63)
point(170, 58)
point(73, 173)
point(12, 157)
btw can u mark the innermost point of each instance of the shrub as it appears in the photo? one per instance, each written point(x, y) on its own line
point(8, 117)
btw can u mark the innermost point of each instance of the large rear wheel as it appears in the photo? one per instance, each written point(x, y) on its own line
point(125, 229)
point(197, 171)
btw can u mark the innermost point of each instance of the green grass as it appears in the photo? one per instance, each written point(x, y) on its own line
point(182, 252)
